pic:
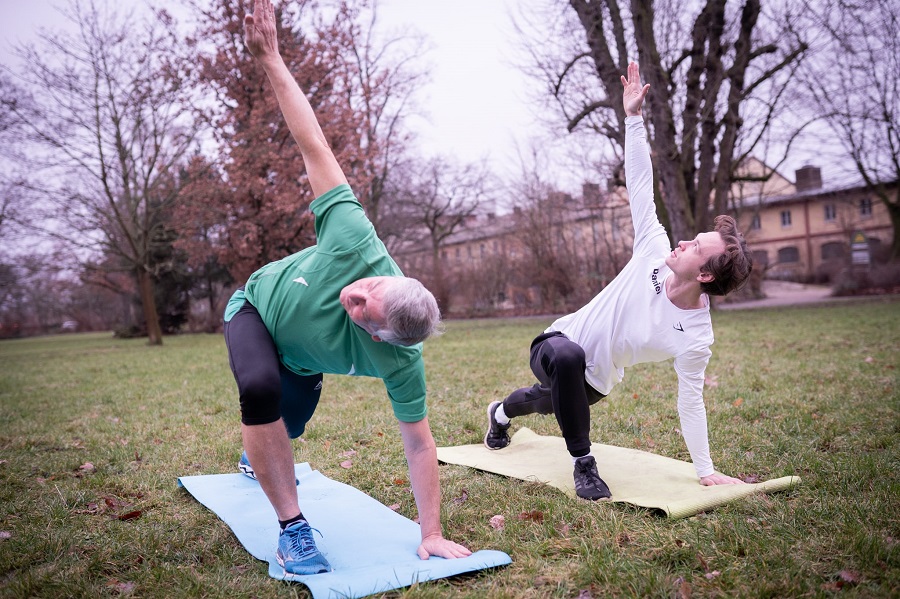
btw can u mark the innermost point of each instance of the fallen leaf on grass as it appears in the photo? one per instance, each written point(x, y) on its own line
point(683, 588)
point(2, 462)
point(737, 403)
point(703, 563)
point(123, 588)
point(498, 522)
point(399, 481)
point(533, 516)
point(348, 454)
point(5, 534)
point(750, 479)
point(394, 506)
point(585, 594)
point(92, 508)
point(869, 360)
point(711, 381)
point(115, 503)
point(462, 498)
point(346, 464)
point(849, 576)
point(133, 515)
point(87, 467)
point(712, 575)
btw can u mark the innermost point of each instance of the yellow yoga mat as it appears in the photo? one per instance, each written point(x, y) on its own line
point(635, 477)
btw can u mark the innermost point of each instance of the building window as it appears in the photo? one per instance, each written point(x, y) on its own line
point(830, 213)
point(755, 224)
point(785, 218)
point(760, 258)
point(865, 207)
point(788, 254)
point(833, 250)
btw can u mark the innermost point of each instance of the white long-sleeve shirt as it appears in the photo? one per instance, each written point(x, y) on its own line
point(632, 320)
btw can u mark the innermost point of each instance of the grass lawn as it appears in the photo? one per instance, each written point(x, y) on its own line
point(94, 432)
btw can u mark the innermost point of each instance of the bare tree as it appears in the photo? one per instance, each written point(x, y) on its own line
point(113, 125)
point(438, 198)
point(16, 110)
point(384, 74)
point(718, 77)
point(550, 262)
point(855, 87)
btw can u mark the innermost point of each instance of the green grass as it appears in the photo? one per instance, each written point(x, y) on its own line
point(807, 391)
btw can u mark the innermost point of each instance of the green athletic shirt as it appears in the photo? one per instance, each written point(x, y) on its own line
point(298, 298)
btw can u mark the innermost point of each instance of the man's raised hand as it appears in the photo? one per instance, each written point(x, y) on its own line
point(260, 35)
point(633, 94)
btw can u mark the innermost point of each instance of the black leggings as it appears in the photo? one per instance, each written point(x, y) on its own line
point(268, 390)
point(558, 363)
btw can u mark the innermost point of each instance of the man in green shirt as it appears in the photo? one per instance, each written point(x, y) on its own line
point(340, 307)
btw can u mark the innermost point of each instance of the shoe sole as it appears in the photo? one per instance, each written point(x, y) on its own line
point(246, 471)
point(280, 561)
point(491, 405)
point(608, 498)
point(249, 473)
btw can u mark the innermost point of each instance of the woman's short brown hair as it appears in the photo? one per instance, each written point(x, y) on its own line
point(731, 268)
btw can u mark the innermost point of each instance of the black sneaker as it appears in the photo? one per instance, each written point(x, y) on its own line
point(496, 436)
point(588, 483)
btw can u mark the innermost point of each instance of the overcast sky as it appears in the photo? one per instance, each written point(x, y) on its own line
point(476, 102)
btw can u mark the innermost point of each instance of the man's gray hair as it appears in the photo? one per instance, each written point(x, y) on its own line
point(411, 312)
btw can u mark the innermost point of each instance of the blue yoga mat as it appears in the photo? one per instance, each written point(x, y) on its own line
point(371, 548)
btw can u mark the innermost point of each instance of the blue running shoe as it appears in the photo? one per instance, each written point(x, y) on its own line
point(247, 470)
point(297, 552)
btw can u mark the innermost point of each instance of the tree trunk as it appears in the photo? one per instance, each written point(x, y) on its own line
point(440, 291)
point(145, 284)
point(659, 105)
point(893, 209)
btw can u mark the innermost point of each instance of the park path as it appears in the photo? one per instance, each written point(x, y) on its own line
point(786, 293)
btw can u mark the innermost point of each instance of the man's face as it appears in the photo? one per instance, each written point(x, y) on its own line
point(688, 256)
point(364, 302)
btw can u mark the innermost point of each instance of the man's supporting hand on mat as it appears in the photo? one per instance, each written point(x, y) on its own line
point(421, 455)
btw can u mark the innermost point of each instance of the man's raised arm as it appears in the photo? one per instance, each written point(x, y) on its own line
point(261, 39)
point(649, 234)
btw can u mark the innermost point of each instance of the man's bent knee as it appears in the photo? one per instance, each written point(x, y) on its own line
point(260, 401)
